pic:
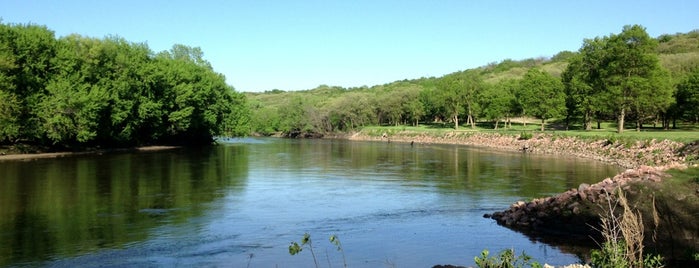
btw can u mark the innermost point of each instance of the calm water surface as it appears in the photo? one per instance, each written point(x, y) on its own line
point(242, 202)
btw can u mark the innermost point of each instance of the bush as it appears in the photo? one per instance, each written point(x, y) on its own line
point(505, 259)
point(525, 135)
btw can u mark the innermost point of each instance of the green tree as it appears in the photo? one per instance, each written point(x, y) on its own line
point(687, 97)
point(458, 93)
point(413, 107)
point(451, 99)
point(498, 100)
point(25, 68)
point(389, 105)
point(70, 112)
point(631, 72)
point(542, 95)
point(264, 119)
point(87, 91)
point(582, 83)
point(295, 116)
point(10, 106)
point(351, 110)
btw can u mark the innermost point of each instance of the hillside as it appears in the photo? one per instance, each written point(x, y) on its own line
point(325, 108)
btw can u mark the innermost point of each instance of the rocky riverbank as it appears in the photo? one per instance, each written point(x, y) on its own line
point(627, 154)
point(575, 203)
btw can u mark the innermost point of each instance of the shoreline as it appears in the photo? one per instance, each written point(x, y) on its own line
point(654, 153)
point(34, 156)
point(577, 210)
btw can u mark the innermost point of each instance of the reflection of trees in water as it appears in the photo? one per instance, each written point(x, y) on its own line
point(74, 205)
point(474, 171)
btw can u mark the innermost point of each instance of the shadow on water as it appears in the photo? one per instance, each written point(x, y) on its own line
point(416, 205)
point(58, 208)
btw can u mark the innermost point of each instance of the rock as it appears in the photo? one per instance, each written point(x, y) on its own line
point(582, 195)
point(583, 187)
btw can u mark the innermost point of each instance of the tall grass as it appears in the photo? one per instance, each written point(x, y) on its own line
point(623, 237)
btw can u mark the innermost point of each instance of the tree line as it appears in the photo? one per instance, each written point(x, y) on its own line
point(622, 77)
point(82, 91)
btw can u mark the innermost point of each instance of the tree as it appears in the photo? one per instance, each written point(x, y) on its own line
point(458, 92)
point(10, 106)
point(71, 110)
point(26, 52)
point(687, 97)
point(582, 83)
point(353, 110)
point(108, 92)
point(413, 108)
point(498, 100)
point(389, 105)
point(631, 72)
point(542, 95)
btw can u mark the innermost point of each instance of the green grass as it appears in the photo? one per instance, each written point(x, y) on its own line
point(687, 133)
point(686, 176)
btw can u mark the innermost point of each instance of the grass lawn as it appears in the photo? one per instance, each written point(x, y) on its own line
point(685, 132)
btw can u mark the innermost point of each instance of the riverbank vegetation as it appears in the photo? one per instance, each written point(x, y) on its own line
point(76, 92)
point(622, 81)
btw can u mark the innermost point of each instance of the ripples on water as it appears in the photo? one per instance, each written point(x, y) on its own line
point(246, 199)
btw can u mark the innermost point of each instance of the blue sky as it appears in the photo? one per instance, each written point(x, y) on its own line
point(292, 45)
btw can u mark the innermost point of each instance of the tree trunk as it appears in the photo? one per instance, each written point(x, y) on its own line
point(456, 122)
point(622, 113)
point(588, 121)
point(496, 123)
point(543, 122)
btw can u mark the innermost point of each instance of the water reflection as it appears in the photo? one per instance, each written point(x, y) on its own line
point(412, 205)
point(53, 208)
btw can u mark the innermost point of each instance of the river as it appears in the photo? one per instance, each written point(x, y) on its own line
point(241, 203)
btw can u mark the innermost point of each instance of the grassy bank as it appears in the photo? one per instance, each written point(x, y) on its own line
point(685, 134)
point(630, 149)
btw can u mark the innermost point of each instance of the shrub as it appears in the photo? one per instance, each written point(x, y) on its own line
point(525, 135)
point(505, 259)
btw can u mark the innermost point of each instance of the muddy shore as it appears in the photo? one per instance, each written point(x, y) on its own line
point(32, 156)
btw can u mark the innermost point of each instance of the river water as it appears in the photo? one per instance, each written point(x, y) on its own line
point(241, 203)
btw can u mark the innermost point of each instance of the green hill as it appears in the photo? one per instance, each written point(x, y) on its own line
point(323, 108)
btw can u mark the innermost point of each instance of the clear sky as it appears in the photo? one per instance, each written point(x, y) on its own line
point(292, 45)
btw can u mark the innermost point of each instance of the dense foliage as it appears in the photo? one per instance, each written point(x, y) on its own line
point(82, 91)
point(625, 77)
